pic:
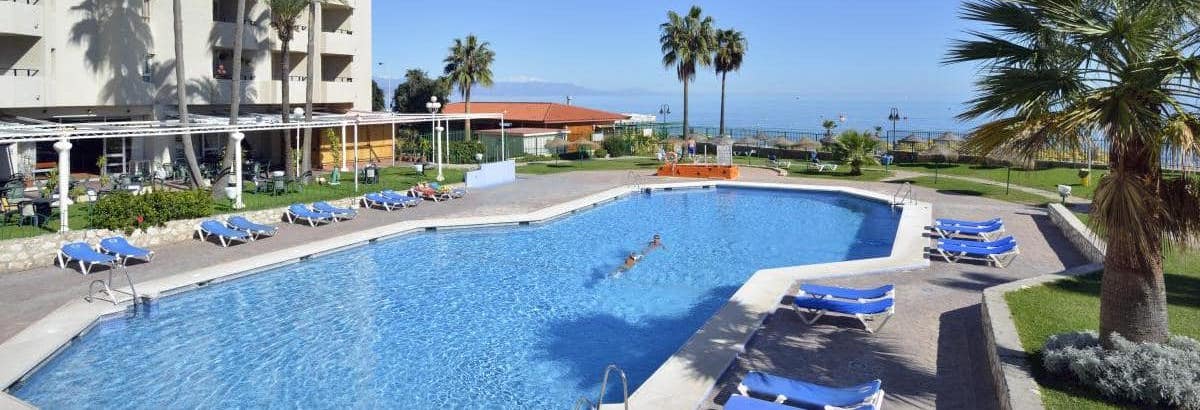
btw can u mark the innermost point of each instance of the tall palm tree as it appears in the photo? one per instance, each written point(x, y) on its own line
point(687, 41)
point(235, 99)
point(1056, 73)
point(828, 125)
point(857, 148)
point(469, 63)
point(313, 55)
point(731, 48)
point(189, 150)
point(284, 14)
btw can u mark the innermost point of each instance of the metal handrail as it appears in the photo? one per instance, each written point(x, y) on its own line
point(624, 386)
point(587, 404)
point(907, 190)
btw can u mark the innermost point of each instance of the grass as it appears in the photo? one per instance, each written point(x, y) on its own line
point(389, 178)
point(555, 167)
point(1044, 179)
point(843, 173)
point(1074, 304)
point(950, 186)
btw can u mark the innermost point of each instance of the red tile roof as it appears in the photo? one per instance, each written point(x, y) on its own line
point(543, 112)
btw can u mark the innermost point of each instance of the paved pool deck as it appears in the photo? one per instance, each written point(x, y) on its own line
point(930, 355)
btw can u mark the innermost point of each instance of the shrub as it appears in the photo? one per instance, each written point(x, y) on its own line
point(601, 153)
point(463, 152)
point(1147, 373)
point(127, 212)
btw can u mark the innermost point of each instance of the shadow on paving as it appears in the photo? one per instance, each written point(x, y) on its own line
point(972, 281)
point(1063, 249)
point(962, 371)
point(835, 352)
point(587, 344)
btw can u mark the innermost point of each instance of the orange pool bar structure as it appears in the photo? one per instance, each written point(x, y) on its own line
point(671, 169)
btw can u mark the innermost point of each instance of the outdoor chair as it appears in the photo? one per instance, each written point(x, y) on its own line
point(370, 175)
point(819, 166)
point(256, 230)
point(8, 208)
point(998, 253)
point(810, 309)
point(837, 292)
point(224, 234)
point(278, 185)
point(298, 212)
point(85, 256)
point(405, 200)
point(378, 200)
point(804, 394)
point(121, 248)
point(339, 213)
point(29, 212)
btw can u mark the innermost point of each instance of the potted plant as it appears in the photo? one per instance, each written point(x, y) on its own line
point(1085, 176)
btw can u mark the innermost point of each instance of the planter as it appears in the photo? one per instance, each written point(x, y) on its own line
point(1085, 177)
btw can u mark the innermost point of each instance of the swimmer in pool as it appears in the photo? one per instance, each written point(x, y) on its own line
point(630, 261)
point(655, 243)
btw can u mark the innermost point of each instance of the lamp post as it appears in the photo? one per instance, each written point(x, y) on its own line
point(503, 137)
point(893, 116)
point(665, 110)
point(433, 105)
point(236, 138)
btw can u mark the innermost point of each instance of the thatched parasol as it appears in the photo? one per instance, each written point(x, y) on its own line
point(808, 144)
point(947, 138)
point(783, 143)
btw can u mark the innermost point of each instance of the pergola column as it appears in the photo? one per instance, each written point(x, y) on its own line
point(236, 138)
point(344, 168)
point(356, 118)
point(63, 146)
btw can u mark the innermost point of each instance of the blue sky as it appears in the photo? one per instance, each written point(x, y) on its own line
point(843, 49)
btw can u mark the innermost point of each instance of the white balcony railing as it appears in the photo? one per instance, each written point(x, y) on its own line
point(21, 17)
point(338, 42)
point(24, 88)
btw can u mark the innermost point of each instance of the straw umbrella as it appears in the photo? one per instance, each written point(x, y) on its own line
point(808, 144)
point(783, 143)
point(912, 140)
point(555, 144)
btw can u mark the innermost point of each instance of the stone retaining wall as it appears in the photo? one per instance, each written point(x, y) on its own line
point(1007, 360)
point(38, 251)
point(1088, 243)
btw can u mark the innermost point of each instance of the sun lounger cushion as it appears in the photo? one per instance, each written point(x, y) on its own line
point(121, 247)
point(810, 394)
point(846, 293)
point(219, 229)
point(83, 252)
point(326, 207)
point(873, 307)
point(242, 224)
point(960, 222)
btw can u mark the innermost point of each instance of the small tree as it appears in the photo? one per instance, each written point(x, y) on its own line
point(829, 125)
point(857, 148)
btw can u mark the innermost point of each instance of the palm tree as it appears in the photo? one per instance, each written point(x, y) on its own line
point(731, 48)
point(469, 63)
point(235, 99)
point(687, 41)
point(306, 144)
point(828, 125)
point(857, 148)
point(1055, 74)
point(284, 14)
point(189, 150)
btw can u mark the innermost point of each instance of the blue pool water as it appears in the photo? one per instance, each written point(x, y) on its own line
point(521, 317)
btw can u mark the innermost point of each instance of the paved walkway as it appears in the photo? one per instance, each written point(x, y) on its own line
point(929, 355)
point(1053, 196)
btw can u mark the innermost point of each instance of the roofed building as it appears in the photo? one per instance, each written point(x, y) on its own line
point(579, 122)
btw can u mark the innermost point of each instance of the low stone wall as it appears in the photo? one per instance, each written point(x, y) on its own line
point(1088, 243)
point(38, 251)
point(1007, 361)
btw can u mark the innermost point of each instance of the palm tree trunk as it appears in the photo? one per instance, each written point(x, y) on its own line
point(1133, 296)
point(722, 132)
point(467, 109)
point(306, 148)
point(685, 108)
point(189, 150)
point(285, 69)
point(235, 102)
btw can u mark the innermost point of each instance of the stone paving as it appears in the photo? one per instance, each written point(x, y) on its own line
point(929, 355)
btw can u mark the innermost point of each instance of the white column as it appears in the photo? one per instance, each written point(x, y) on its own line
point(356, 155)
point(393, 144)
point(503, 152)
point(344, 167)
point(236, 139)
point(441, 147)
point(64, 179)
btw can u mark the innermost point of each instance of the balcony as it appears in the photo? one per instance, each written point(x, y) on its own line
point(341, 90)
point(341, 42)
point(21, 18)
point(24, 88)
point(223, 33)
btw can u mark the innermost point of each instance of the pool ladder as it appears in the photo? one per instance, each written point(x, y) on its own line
point(902, 195)
point(584, 404)
point(633, 179)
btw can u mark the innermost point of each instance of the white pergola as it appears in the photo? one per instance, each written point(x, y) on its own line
point(63, 134)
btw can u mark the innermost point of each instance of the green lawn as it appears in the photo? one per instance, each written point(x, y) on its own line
point(843, 173)
point(399, 178)
point(554, 167)
point(1045, 179)
point(959, 187)
point(1074, 304)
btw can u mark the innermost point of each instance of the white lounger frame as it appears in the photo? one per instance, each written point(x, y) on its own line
point(225, 240)
point(875, 400)
point(999, 260)
point(313, 222)
point(813, 315)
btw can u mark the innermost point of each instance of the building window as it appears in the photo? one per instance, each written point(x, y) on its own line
point(148, 68)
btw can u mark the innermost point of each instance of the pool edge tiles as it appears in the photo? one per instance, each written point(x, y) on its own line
point(36, 344)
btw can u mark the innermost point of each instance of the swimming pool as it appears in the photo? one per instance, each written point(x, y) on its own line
point(520, 317)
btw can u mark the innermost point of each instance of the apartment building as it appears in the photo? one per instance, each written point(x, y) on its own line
point(70, 61)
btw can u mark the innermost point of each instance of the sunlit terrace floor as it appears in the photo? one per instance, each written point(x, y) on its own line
point(930, 355)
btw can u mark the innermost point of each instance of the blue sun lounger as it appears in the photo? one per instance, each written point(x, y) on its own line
point(998, 253)
point(256, 230)
point(87, 257)
point(121, 248)
point(960, 222)
point(986, 232)
point(377, 200)
point(298, 212)
point(1005, 241)
point(783, 390)
point(737, 402)
point(340, 213)
point(816, 307)
point(819, 291)
point(404, 199)
point(223, 233)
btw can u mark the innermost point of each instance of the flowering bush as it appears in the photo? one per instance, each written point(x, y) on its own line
point(126, 212)
point(1148, 373)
